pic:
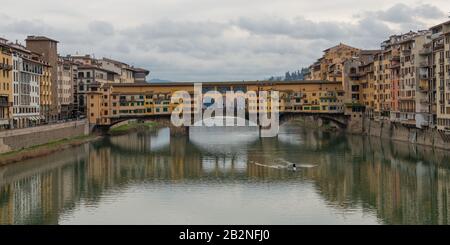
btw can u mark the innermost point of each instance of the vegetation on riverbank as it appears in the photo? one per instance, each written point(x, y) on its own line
point(58, 145)
point(132, 126)
point(44, 149)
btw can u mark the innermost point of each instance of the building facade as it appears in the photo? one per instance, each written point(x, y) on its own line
point(67, 88)
point(28, 69)
point(5, 85)
point(440, 59)
point(48, 48)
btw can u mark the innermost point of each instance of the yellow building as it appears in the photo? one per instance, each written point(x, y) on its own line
point(110, 102)
point(382, 95)
point(46, 92)
point(330, 66)
point(368, 87)
point(5, 85)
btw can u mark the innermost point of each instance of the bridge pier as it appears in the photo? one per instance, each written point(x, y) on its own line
point(179, 131)
point(264, 132)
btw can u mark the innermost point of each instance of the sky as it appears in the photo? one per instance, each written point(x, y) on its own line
point(212, 40)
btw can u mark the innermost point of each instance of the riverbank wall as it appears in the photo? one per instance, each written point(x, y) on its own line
point(16, 139)
point(386, 129)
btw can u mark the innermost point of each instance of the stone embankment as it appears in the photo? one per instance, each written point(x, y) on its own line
point(16, 139)
point(398, 132)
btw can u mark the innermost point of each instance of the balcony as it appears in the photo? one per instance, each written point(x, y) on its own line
point(424, 76)
point(424, 64)
point(436, 35)
point(425, 51)
point(406, 52)
point(395, 58)
point(4, 101)
point(395, 65)
point(6, 67)
point(438, 46)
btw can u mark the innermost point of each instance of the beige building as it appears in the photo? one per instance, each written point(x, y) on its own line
point(414, 104)
point(48, 48)
point(440, 59)
point(28, 70)
point(67, 88)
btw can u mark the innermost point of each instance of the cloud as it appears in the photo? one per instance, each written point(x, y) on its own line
point(102, 28)
point(177, 29)
point(402, 13)
point(231, 43)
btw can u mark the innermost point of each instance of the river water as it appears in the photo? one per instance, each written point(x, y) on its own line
point(230, 176)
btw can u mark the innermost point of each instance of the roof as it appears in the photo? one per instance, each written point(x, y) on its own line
point(141, 70)
point(376, 51)
point(96, 68)
point(40, 38)
point(339, 45)
point(225, 83)
point(114, 61)
point(438, 25)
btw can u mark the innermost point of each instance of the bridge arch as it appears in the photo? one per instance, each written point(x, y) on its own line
point(340, 120)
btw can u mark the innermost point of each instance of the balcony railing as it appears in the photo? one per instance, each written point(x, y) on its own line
point(4, 66)
point(425, 51)
point(438, 46)
point(424, 64)
point(395, 65)
point(395, 58)
point(406, 52)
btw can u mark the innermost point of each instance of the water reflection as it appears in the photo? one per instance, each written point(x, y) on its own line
point(152, 178)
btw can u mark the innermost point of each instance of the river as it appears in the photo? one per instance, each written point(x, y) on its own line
point(230, 176)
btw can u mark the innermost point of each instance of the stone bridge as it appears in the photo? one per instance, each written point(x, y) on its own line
point(339, 120)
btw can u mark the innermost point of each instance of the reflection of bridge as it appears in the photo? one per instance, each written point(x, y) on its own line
point(59, 183)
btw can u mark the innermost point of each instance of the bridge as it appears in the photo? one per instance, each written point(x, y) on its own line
point(109, 104)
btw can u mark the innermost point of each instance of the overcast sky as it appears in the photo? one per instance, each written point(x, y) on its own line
point(212, 40)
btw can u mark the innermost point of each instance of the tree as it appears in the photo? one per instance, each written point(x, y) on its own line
point(287, 77)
